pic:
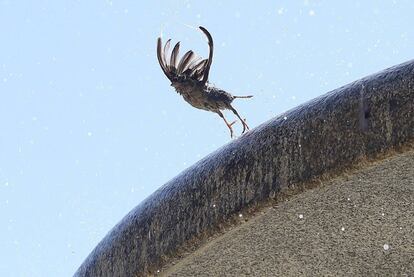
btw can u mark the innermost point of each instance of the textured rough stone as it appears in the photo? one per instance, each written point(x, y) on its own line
point(358, 224)
point(327, 134)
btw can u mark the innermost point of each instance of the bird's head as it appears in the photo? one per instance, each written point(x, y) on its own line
point(175, 82)
point(177, 85)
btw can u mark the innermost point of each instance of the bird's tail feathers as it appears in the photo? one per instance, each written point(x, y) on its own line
point(246, 96)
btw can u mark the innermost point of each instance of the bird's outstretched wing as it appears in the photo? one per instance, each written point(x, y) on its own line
point(189, 66)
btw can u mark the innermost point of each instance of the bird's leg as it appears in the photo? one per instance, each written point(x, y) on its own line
point(228, 124)
point(243, 121)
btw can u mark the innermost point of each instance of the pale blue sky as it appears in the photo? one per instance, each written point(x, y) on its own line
point(90, 125)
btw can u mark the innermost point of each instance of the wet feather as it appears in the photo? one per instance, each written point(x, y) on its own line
point(174, 54)
point(166, 49)
point(185, 60)
point(160, 56)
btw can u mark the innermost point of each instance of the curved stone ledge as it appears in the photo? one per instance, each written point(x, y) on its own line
point(325, 135)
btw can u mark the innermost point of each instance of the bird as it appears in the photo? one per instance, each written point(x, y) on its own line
point(189, 77)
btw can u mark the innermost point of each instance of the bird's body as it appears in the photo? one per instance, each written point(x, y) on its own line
point(206, 98)
point(189, 77)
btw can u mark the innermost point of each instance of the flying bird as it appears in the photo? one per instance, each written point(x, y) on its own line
point(189, 77)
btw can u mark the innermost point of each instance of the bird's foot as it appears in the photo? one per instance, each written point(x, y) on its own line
point(245, 126)
point(230, 128)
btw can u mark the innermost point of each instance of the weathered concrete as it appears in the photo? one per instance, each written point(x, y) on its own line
point(326, 135)
point(358, 224)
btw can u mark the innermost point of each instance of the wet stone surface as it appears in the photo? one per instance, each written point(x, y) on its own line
point(358, 224)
